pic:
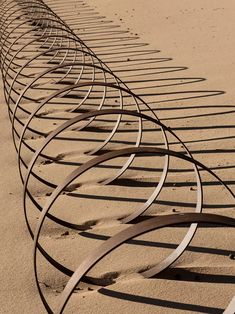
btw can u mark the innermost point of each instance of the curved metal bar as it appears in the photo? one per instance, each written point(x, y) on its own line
point(19, 50)
point(54, 36)
point(122, 237)
point(18, 17)
point(75, 120)
point(131, 158)
point(108, 156)
point(57, 93)
point(38, 55)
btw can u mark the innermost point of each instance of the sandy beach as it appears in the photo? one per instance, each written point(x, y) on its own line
point(178, 57)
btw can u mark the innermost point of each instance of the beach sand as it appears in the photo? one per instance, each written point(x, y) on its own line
point(195, 40)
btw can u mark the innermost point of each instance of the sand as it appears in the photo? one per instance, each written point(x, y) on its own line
point(198, 37)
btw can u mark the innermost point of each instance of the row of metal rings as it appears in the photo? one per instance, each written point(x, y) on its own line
point(57, 89)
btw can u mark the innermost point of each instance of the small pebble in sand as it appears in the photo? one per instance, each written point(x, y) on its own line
point(46, 162)
point(65, 233)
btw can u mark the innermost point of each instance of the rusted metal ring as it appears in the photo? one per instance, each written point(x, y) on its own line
point(141, 150)
point(120, 238)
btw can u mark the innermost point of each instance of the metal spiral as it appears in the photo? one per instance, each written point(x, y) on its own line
point(57, 90)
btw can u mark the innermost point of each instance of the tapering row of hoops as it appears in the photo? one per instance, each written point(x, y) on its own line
point(44, 61)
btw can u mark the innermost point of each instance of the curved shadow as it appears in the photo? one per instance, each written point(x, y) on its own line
point(172, 305)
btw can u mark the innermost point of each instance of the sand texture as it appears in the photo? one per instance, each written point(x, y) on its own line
point(177, 56)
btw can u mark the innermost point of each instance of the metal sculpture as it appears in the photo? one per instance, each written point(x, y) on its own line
point(49, 74)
